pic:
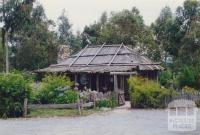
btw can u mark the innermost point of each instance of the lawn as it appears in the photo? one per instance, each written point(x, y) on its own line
point(61, 112)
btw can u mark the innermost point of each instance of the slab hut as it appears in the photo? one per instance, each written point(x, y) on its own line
point(106, 67)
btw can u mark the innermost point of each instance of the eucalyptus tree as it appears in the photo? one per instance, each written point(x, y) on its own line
point(64, 29)
point(32, 44)
point(35, 46)
point(126, 26)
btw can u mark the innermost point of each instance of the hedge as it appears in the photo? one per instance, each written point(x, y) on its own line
point(13, 90)
point(146, 93)
point(55, 89)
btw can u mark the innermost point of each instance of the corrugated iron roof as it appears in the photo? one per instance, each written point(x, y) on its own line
point(105, 58)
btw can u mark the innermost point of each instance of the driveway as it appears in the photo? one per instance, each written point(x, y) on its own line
point(121, 121)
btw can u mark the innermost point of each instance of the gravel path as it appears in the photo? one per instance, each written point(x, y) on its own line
point(117, 122)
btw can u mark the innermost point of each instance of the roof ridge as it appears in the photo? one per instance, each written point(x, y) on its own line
point(105, 45)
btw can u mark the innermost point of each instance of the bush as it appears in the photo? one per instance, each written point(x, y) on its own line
point(69, 96)
point(189, 76)
point(189, 90)
point(165, 78)
point(31, 77)
point(52, 89)
point(111, 102)
point(146, 93)
point(13, 90)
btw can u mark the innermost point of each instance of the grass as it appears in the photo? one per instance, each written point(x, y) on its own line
point(45, 113)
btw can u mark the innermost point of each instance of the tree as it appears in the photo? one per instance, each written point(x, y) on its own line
point(76, 42)
point(2, 57)
point(162, 30)
point(130, 26)
point(103, 18)
point(187, 34)
point(15, 14)
point(126, 27)
point(35, 46)
point(173, 34)
point(64, 29)
point(14, 17)
point(189, 52)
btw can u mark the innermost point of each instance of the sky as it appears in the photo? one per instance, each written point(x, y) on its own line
point(85, 12)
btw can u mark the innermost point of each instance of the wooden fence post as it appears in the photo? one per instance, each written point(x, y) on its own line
point(25, 107)
point(80, 104)
point(94, 101)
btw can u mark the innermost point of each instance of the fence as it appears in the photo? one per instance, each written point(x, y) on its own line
point(194, 96)
point(79, 105)
point(84, 100)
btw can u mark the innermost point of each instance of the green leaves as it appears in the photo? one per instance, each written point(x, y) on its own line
point(49, 91)
point(189, 76)
point(33, 45)
point(13, 90)
point(69, 96)
point(64, 30)
point(166, 78)
point(146, 93)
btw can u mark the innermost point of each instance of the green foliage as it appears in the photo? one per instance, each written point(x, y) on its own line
point(2, 59)
point(189, 90)
point(64, 29)
point(33, 44)
point(146, 93)
point(111, 102)
point(69, 96)
point(165, 78)
point(189, 76)
point(178, 37)
point(103, 103)
point(28, 76)
point(51, 89)
point(126, 26)
point(36, 46)
point(189, 52)
point(16, 14)
point(13, 90)
point(162, 29)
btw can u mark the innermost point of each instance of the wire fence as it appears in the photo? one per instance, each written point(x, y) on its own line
point(194, 96)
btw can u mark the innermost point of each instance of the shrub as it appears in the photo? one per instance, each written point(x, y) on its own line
point(165, 78)
point(52, 87)
point(189, 90)
point(69, 96)
point(111, 102)
point(146, 93)
point(13, 90)
point(31, 77)
point(189, 76)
